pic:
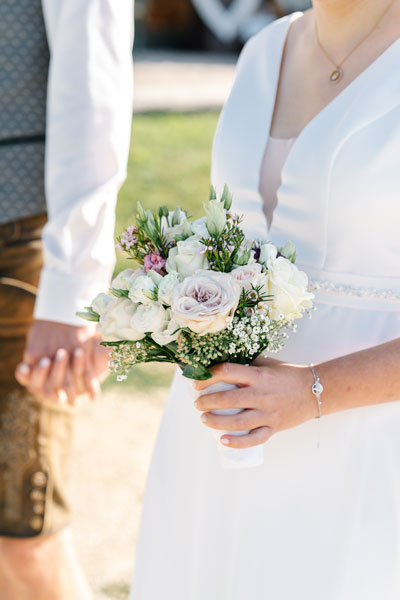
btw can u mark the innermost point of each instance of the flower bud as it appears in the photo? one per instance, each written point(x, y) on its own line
point(226, 198)
point(216, 217)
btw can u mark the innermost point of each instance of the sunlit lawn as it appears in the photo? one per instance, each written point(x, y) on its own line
point(169, 163)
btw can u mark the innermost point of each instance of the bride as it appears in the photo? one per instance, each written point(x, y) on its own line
point(309, 143)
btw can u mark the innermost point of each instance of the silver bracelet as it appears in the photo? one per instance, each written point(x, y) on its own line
point(317, 390)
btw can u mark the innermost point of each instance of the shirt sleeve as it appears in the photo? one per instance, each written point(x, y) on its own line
point(89, 110)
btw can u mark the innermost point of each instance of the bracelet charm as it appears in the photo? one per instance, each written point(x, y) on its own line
point(317, 390)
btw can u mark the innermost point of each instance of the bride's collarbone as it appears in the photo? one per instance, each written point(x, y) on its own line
point(304, 89)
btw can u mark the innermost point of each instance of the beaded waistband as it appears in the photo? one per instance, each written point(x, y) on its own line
point(328, 287)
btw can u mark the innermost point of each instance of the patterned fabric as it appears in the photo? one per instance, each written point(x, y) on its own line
point(24, 60)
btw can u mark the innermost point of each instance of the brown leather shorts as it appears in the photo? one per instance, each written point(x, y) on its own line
point(35, 437)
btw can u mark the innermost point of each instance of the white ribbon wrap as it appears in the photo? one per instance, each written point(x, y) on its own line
point(233, 458)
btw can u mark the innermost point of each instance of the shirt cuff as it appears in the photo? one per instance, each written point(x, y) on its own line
point(62, 295)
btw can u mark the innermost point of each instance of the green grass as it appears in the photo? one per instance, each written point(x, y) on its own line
point(117, 591)
point(169, 163)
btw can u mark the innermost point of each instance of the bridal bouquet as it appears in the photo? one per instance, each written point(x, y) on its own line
point(202, 294)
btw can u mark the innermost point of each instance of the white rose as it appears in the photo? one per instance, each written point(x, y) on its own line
point(251, 275)
point(115, 323)
point(288, 286)
point(169, 334)
point(268, 253)
point(187, 257)
point(149, 318)
point(199, 228)
point(101, 302)
point(206, 301)
point(143, 289)
point(125, 278)
point(167, 286)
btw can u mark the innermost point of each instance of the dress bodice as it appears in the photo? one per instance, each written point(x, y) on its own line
point(338, 200)
point(276, 153)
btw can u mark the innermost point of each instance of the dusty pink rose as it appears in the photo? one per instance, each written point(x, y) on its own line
point(206, 301)
point(154, 262)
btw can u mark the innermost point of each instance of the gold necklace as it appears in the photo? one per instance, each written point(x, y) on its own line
point(337, 73)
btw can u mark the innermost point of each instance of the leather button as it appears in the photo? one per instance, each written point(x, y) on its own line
point(38, 508)
point(39, 479)
point(36, 523)
point(37, 495)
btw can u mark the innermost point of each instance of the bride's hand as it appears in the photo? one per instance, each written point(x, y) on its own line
point(274, 394)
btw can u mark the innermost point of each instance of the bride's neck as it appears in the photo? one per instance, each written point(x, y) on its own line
point(341, 23)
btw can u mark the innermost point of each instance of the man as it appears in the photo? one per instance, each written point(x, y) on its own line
point(77, 55)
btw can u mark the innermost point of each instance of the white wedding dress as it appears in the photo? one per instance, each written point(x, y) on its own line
point(310, 524)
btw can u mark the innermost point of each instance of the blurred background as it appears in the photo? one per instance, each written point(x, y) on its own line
point(185, 53)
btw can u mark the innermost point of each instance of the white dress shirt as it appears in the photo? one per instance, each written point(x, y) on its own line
point(89, 109)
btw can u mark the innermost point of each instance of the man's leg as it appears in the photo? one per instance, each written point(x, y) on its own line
point(37, 561)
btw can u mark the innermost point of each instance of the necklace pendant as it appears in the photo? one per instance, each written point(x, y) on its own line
point(336, 75)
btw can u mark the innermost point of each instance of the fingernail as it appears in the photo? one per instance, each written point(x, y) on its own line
point(225, 441)
point(78, 353)
point(62, 396)
point(204, 418)
point(61, 354)
point(23, 368)
point(44, 362)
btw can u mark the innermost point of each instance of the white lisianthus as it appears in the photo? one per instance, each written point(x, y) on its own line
point(116, 321)
point(289, 251)
point(169, 334)
point(166, 287)
point(155, 277)
point(206, 301)
point(216, 217)
point(143, 289)
point(187, 257)
point(150, 318)
point(199, 228)
point(251, 275)
point(268, 253)
point(288, 286)
point(125, 278)
point(175, 224)
point(101, 302)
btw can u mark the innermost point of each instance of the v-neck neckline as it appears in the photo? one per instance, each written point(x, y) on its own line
point(332, 103)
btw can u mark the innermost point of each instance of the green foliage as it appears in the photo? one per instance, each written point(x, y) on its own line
point(89, 314)
point(198, 372)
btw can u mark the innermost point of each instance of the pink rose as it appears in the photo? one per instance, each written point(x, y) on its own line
point(206, 301)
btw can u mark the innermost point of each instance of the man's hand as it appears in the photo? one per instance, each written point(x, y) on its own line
point(61, 362)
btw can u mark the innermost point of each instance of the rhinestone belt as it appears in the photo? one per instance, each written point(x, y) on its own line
point(328, 287)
